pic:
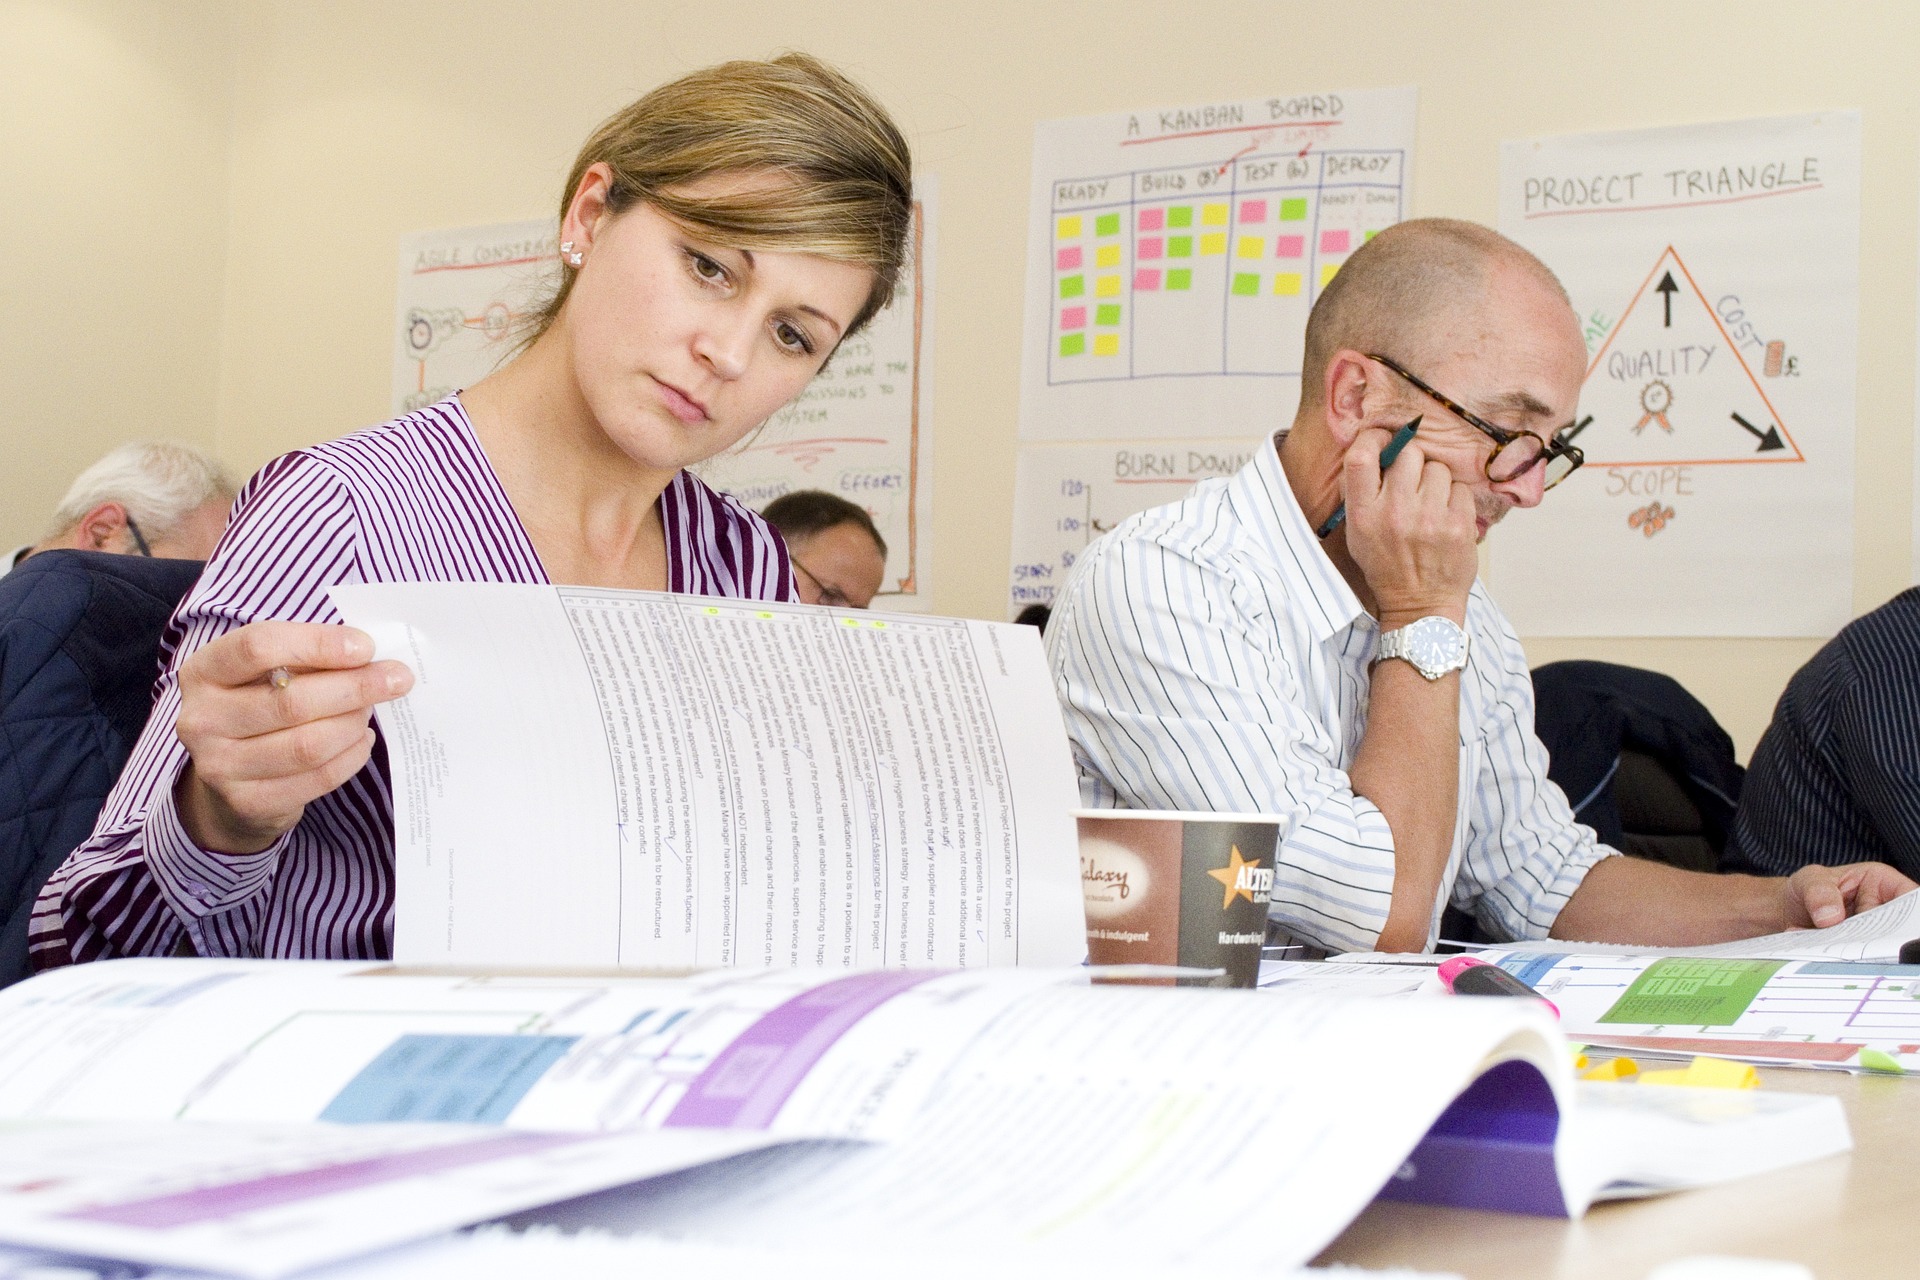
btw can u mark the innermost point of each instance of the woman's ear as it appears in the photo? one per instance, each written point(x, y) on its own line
point(1348, 373)
point(592, 202)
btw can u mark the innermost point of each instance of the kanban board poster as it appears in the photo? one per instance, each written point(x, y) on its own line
point(1173, 254)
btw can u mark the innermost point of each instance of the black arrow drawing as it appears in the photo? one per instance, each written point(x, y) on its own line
point(1668, 288)
point(1769, 439)
point(1566, 437)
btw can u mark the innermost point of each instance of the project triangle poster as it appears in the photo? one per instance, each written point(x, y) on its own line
point(1715, 272)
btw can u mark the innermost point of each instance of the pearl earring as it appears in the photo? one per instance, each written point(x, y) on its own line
point(573, 258)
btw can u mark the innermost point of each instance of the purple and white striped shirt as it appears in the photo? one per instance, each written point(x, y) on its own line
point(412, 500)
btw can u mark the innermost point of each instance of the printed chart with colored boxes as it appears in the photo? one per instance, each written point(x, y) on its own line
point(1173, 254)
point(1192, 271)
point(1814, 1013)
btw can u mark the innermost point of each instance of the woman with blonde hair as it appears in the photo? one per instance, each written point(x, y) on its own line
point(718, 239)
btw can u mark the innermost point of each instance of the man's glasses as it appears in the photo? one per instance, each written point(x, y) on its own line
point(829, 594)
point(1515, 452)
point(139, 539)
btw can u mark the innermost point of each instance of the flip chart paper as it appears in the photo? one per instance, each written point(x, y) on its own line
point(1714, 270)
point(1207, 183)
point(863, 429)
point(462, 292)
point(617, 777)
point(1066, 495)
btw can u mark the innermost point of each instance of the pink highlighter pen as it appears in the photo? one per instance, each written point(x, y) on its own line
point(1472, 976)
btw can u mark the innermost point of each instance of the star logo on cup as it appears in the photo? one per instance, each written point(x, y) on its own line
point(1234, 876)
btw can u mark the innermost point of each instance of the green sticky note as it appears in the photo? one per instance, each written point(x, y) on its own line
point(1693, 991)
point(1072, 286)
point(1107, 224)
point(1293, 209)
point(1876, 1060)
point(1181, 215)
point(1107, 313)
point(1073, 344)
point(1179, 278)
point(1369, 235)
point(1179, 246)
point(1246, 285)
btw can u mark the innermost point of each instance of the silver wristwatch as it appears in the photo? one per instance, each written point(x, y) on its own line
point(1434, 645)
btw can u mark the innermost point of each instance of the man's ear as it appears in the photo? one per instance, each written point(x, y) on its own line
point(101, 529)
point(1348, 375)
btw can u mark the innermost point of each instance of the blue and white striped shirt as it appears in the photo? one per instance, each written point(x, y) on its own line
point(1208, 655)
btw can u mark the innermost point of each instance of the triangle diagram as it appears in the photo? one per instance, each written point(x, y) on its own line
point(1669, 388)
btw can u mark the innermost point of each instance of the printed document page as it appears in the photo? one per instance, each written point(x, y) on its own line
point(615, 777)
point(1871, 935)
point(992, 1111)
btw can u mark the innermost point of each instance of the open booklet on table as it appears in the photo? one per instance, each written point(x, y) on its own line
point(1832, 997)
point(623, 777)
point(177, 1112)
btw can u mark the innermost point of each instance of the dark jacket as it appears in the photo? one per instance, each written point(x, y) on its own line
point(79, 645)
point(1641, 760)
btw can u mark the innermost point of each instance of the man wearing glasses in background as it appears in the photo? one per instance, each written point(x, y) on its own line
point(839, 558)
point(1308, 638)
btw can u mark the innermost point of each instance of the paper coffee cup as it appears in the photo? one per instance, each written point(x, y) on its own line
point(1170, 888)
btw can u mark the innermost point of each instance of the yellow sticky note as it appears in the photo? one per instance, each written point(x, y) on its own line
point(1612, 1069)
point(1250, 246)
point(1708, 1073)
point(1068, 228)
point(1879, 1060)
point(1107, 287)
point(1213, 244)
point(1107, 255)
point(1327, 271)
point(1213, 215)
point(1107, 344)
point(1719, 1073)
point(1288, 284)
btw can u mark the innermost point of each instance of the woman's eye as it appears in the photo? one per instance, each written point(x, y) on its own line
point(793, 338)
point(706, 268)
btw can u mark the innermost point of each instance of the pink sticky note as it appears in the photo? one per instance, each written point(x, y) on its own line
point(1253, 211)
point(1148, 247)
point(1290, 247)
point(1073, 318)
point(1333, 241)
point(1068, 259)
point(1152, 219)
point(1146, 280)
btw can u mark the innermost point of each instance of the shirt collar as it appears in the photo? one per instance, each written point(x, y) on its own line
point(1289, 543)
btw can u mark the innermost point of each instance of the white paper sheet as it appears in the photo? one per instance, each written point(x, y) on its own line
point(1019, 1115)
point(1872, 935)
point(1715, 269)
point(461, 294)
point(1066, 495)
point(863, 429)
point(1173, 254)
point(271, 1200)
point(606, 777)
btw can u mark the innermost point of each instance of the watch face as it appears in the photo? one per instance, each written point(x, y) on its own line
point(1436, 646)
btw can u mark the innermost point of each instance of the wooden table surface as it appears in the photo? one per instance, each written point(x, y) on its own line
point(1850, 1215)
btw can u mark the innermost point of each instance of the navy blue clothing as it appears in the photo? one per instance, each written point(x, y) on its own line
point(1587, 713)
point(1836, 777)
point(79, 653)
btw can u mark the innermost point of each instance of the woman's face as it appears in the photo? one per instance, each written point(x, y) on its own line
point(680, 345)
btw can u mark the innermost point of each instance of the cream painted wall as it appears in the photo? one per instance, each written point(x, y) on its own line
point(355, 121)
point(113, 203)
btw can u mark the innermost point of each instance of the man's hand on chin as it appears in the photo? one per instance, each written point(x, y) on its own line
point(1817, 897)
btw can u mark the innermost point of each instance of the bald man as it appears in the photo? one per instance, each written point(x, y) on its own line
point(1309, 638)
